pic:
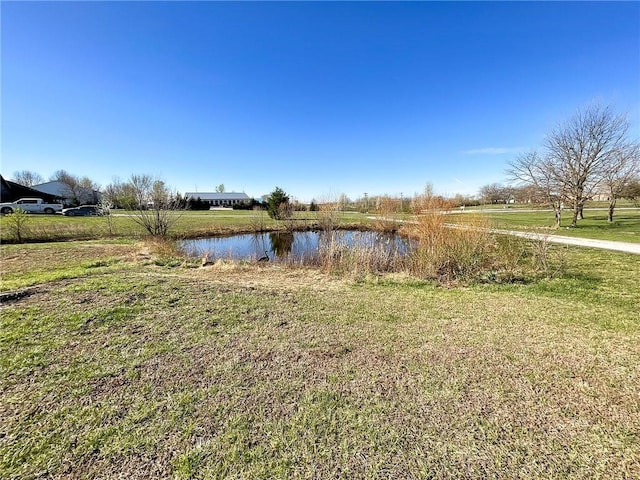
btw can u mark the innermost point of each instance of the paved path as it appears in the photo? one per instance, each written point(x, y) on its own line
point(581, 242)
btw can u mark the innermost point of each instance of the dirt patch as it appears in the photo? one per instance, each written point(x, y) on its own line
point(10, 297)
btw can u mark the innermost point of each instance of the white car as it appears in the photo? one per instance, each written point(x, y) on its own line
point(30, 205)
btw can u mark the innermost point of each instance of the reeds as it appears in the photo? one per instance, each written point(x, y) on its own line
point(360, 255)
point(448, 251)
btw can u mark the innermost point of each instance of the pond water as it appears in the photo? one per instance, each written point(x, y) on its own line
point(290, 245)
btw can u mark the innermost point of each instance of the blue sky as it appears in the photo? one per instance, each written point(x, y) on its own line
point(317, 98)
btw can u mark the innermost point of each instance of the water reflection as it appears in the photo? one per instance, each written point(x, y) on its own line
point(290, 245)
point(281, 243)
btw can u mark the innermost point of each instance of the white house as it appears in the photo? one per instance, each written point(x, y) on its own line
point(62, 190)
point(224, 199)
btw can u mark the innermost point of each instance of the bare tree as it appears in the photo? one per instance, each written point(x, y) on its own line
point(27, 178)
point(156, 207)
point(540, 175)
point(621, 169)
point(119, 194)
point(579, 151)
point(495, 193)
point(78, 189)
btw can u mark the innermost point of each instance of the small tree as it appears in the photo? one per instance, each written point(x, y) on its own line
point(17, 224)
point(343, 202)
point(104, 209)
point(277, 206)
point(538, 174)
point(620, 171)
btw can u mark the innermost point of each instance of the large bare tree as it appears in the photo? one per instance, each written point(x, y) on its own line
point(580, 150)
point(578, 158)
point(27, 178)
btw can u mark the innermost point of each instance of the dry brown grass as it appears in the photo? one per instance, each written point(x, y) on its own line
point(389, 214)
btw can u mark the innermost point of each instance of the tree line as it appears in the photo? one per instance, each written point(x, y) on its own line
point(78, 189)
point(589, 154)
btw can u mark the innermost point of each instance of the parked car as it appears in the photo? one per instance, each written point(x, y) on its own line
point(82, 211)
point(30, 205)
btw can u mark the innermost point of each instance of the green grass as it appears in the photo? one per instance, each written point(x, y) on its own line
point(47, 228)
point(625, 227)
point(129, 366)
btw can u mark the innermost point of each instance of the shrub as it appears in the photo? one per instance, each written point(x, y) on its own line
point(197, 204)
point(448, 252)
point(18, 225)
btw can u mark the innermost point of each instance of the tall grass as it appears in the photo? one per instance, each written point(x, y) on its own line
point(327, 215)
point(435, 249)
point(360, 255)
point(445, 252)
point(389, 217)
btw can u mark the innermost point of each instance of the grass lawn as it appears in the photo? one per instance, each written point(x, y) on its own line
point(625, 227)
point(123, 362)
point(189, 224)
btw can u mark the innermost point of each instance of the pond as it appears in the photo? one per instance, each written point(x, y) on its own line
point(280, 246)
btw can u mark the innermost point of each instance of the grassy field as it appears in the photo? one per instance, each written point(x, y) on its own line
point(123, 360)
point(624, 228)
point(190, 224)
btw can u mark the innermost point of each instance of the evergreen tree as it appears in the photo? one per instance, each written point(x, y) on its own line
point(276, 206)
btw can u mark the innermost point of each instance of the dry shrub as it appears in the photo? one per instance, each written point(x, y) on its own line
point(389, 212)
point(547, 260)
point(510, 264)
point(258, 220)
point(445, 251)
point(327, 214)
point(166, 252)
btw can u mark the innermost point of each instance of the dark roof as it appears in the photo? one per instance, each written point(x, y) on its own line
point(11, 191)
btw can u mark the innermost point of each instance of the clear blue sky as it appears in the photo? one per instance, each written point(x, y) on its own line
point(317, 98)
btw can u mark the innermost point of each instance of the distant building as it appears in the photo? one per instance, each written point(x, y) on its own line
point(11, 191)
point(62, 190)
point(225, 199)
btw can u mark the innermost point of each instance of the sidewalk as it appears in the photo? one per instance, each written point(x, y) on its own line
point(582, 242)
